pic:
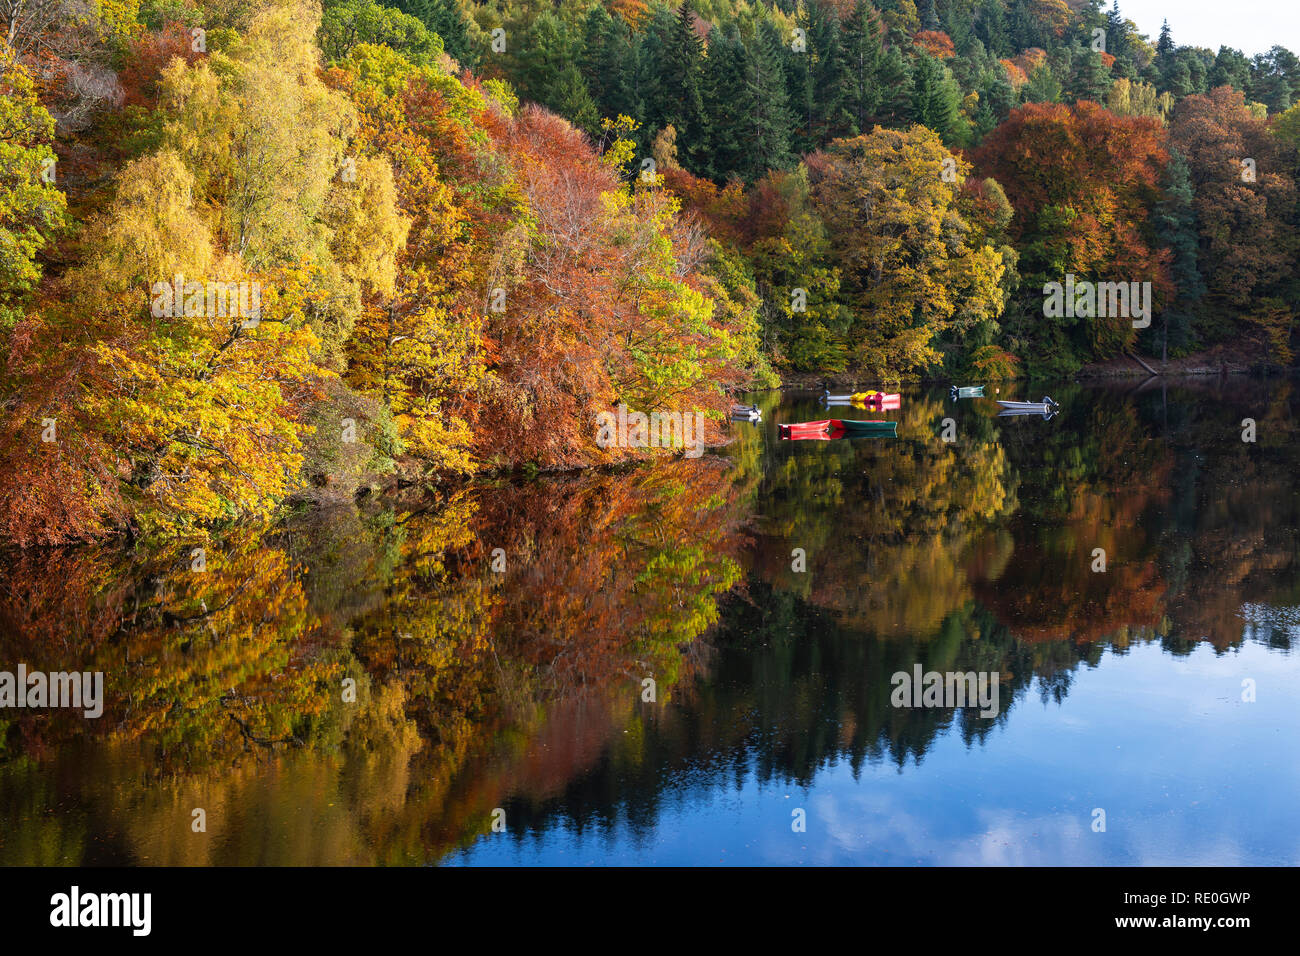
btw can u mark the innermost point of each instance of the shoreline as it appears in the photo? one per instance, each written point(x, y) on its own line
point(1200, 365)
point(1195, 368)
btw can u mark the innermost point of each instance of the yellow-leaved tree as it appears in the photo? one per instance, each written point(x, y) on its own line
point(196, 392)
point(416, 344)
point(226, 275)
point(31, 206)
point(909, 263)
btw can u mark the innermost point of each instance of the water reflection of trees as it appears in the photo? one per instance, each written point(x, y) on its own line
point(987, 550)
point(888, 527)
point(213, 674)
point(1094, 486)
point(1232, 536)
point(477, 690)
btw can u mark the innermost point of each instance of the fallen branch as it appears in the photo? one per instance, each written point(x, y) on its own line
point(1134, 357)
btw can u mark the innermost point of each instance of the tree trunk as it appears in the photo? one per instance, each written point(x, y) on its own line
point(1134, 357)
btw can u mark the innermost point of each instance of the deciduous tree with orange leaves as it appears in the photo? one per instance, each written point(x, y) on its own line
point(1244, 191)
point(1082, 182)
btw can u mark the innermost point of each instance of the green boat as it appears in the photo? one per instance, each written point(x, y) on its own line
point(852, 427)
point(967, 391)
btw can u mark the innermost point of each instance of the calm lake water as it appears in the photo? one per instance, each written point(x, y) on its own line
point(378, 684)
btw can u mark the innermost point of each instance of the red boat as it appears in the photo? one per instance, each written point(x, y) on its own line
point(806, 430)
point(882, 400)
point(835, 428)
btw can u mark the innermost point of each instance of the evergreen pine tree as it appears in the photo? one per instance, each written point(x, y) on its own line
point(1165, 45)
point(1175, 224)
point(534, 57)
point(936, 98)
point(1089, 77)
point(1177, 79)
point(894, 80)
point(861, 95)
point(676, 56)
point(607, 52)
point(1042, 86)
point(991, 28)
point(723, 89)
point(1231, 68)
point(1119, 39)
point(567, 94)
point(1022, 28)
point(445, 18)
point(543, 67)
point(997, 97)
point(818, 80)
point(769, 121)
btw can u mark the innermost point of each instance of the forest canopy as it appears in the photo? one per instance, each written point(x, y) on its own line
point(252, 250)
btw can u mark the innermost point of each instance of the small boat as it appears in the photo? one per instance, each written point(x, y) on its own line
point(1013, 412)
point(835, 428)
point(1041, 406)
point(1047, 408)
point(870, 399)
point(967, 391)
point(804, 430)
point(853, 427)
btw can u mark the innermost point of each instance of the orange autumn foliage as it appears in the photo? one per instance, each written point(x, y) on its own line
point(936, 43)
point(148, 56)
point(1016, 76)
point(1090, 216)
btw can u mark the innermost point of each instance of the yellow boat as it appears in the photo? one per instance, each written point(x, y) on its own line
point(870, 399)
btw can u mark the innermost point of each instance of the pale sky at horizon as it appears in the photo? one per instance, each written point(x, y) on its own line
point(1251, 26)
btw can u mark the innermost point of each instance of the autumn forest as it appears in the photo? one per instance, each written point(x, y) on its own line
point(311, 312)
point(263, 252)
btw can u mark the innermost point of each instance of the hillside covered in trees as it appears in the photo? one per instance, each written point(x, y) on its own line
point(252, 249)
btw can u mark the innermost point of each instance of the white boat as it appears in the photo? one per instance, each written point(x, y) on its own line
point(1047, 408)
point(1032, 406)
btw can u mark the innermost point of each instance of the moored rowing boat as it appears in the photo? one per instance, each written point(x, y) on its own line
point(1047, 408)
point(798, 430)
point(868, 399)
point(853, 427)
point(835, 428)
point(1045, 405)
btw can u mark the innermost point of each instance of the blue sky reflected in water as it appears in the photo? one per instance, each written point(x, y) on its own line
point(1187, 773)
